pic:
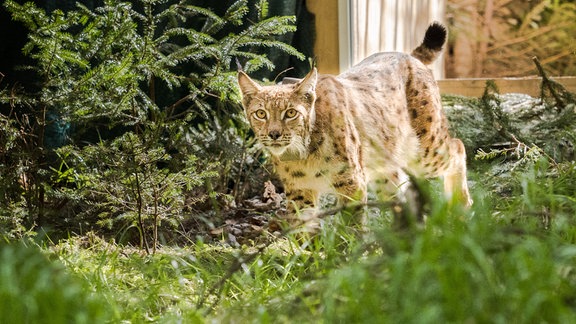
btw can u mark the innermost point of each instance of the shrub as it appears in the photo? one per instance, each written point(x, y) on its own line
point(127, 83)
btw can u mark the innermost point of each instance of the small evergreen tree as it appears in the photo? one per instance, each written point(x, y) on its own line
point(109, 78)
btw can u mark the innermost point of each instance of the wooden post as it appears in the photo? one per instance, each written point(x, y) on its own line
point(475, 87)
point(326, 45)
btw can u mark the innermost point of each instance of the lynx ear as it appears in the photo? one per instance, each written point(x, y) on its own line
point(247, 85)
point(306, 89)
point(308, 84)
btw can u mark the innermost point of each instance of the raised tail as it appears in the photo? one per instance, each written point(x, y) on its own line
point(432, 44)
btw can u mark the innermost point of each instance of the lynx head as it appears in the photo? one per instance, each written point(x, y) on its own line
point(282, 116)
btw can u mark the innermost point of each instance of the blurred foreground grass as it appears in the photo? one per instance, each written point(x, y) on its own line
point(511, 258)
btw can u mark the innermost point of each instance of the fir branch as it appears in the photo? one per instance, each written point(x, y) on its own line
point(556, 89)
point(236, 12)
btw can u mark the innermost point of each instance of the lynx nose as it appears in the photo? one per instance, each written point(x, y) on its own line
point(274, 134)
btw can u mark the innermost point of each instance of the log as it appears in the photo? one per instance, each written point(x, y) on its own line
point(475, 87)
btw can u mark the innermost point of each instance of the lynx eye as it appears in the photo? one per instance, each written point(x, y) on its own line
point(290, 113)
point(260, 114)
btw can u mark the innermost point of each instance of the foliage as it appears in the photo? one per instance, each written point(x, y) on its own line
point(510, 125)
point(510, 258)
point(34, 289)
point(126, 83)
point(545, 32)
point(227, 143)
point(128, 182)
point(498, 38)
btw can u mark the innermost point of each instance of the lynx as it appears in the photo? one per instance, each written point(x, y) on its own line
point(371, 126)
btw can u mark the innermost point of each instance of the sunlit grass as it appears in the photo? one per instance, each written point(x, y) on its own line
point(511, 258)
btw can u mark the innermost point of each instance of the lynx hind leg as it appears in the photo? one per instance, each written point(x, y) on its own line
point(455, 181)
point(440, 154)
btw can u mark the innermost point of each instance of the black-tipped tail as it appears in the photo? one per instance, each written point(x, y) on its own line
point(435, 36)
point(431, 46)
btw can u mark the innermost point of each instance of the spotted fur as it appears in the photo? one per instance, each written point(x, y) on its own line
point(374, 124)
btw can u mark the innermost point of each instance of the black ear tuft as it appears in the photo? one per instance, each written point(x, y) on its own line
point(313, 61)
point(238, 65)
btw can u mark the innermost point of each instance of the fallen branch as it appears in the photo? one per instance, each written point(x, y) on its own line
point(552, 86)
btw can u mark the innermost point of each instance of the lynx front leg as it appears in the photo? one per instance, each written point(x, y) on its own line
point(301, 207)
point(403, 193)
point(351, 187)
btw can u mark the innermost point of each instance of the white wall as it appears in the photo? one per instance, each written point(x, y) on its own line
point(386, 25)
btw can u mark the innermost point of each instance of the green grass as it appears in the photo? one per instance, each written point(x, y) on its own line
point(34, 289)
point(510, 259)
